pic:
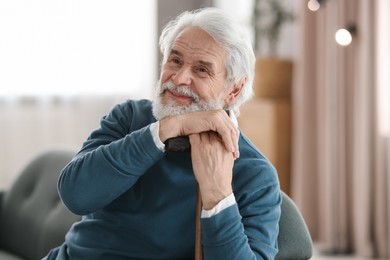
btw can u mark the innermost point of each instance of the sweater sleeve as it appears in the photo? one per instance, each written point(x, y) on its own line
point(246, 230)
point(109, 163)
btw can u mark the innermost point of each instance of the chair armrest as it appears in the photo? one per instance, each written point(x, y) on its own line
point(294, 238)
point(2, 192)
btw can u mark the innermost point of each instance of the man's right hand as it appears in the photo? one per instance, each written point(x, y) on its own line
point(198, 122)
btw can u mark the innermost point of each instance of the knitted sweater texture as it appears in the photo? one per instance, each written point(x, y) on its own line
point(138, 202)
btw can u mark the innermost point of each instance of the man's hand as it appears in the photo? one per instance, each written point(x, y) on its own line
point(195, 123)
point(213, 167)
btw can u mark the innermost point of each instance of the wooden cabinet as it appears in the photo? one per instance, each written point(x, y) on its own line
point(267, 123)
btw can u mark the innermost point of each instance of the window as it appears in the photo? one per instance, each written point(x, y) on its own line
point(73, 47)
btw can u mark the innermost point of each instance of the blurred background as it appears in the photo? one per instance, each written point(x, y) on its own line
point(320, 112)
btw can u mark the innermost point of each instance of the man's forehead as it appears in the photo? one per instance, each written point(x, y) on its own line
point(196, 43)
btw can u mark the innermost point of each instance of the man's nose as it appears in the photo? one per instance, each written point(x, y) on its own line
point(183, 76)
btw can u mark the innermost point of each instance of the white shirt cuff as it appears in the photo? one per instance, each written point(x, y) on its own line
point(223, 204)
point(154, 130)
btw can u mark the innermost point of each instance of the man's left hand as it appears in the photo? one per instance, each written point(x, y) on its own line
point(213, 167)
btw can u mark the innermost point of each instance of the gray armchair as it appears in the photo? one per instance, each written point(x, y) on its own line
point(33, 220)
point(294, 238)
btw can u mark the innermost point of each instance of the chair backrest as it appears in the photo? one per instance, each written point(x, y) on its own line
point(33, 219)
point(294, 238)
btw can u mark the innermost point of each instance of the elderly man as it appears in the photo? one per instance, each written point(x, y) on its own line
point(137, 197)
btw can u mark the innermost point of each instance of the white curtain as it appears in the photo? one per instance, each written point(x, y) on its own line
point(31, 125)
point(63, 65)
point(383, 136)
point(341, 158)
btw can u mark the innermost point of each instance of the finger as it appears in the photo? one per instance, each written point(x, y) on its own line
point(218, 121)
point(234, 141)
point(194, 139)
point(234, 135)
point(216, 138)
point(230, 137)
point(226, 129)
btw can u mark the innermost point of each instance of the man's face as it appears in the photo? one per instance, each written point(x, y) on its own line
point(194, 76)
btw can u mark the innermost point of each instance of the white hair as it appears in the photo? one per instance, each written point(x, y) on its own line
point(229, 34)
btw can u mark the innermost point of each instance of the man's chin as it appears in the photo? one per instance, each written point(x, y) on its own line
point(173, 108)
point(163, 107)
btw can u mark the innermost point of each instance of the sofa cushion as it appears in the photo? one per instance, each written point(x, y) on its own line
point(33, 219)
point(7, 256)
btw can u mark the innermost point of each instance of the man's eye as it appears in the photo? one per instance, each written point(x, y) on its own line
point(175, 61)
point(202, 71)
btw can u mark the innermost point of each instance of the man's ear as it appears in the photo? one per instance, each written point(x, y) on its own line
point(234, 92)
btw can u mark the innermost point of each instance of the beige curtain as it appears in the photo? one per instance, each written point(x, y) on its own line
point(340, 176)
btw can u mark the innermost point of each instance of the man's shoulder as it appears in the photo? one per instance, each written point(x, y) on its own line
point(135, 113)
point(138, 104)
point(249, 149)
point(254, 165)
point(133, 107)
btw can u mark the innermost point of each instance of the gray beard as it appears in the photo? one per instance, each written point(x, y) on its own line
point(172, 108)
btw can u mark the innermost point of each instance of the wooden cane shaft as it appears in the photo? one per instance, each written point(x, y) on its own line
point(198, 228)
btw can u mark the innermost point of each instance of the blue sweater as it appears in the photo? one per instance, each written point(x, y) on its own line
point(139, 203)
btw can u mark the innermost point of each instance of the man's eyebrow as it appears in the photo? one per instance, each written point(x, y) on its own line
point(207, 64)
point(176, 52)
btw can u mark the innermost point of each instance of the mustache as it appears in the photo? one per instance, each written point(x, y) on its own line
point(182, 90)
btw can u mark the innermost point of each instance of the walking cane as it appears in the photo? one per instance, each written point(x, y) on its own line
point(182, 144)
point(198, 228)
